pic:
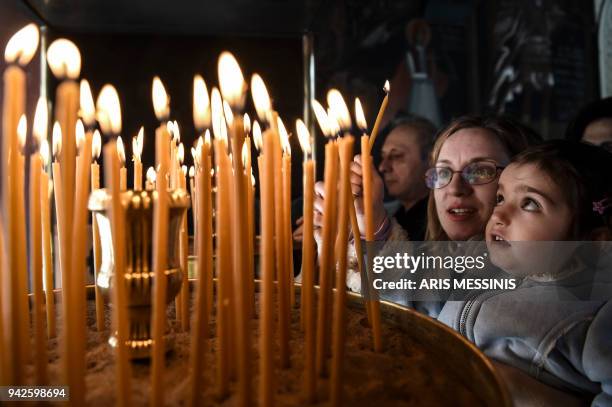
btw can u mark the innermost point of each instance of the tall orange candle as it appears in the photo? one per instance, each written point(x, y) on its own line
point(346, 151)
point(96, 149)
point(286, 199)
point(326, 263)
point(77, 299)
point(137, 146)
point(381, 114)
point(262, 103)
point(36, 162)
point(45, 194)
point(366, 162)
point(64, 59)
point(122, 170)
point(120, 321)
point(19, 51)
point(199, 337)
point(160, 242)
point(308, 263)
point(184, 248)
point(232, 87)
point(281, 252)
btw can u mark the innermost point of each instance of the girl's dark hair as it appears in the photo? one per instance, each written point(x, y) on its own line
point(584, 172)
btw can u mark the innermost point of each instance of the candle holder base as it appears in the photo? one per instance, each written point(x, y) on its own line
point(139, 273)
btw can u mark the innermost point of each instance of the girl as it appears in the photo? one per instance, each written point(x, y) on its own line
point(559, 191)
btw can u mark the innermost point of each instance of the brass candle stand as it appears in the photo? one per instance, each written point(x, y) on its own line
point(139, 274)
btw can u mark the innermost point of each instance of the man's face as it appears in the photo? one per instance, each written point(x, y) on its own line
point(599, 133)
point(402, 166)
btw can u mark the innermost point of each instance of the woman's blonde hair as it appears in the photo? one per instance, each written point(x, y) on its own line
point(513, 136)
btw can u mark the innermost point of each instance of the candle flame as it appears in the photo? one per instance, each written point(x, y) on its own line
point(224, 133)
point(161, 102)
point(261, 98)
point(227, 112)
point(88, 110)
point(41, 120)
point(245, 154)
point(96, 145)
point(359, 116)
point(138, 144)
point(201, 104)
point(56, 138)
point(206, 138)
point(387, 87)
point(252, 178)
point(191, 171)
point(109, 110)
point(231, 80)
point(64, 59)
point(257, 139)
point(184, 169)
point(247, 124)
point(216, 107)
point(170, 128)
point(22, 130)
point(44, 152)
point(180, 153)
point(80, 134)
point(194, 154)
point(339, 109)
point(176, 132)
point(334, 126)
point(284, 137)
point(303, 136)
point(321, 116)
point(22, 45)
point(151, 175)
point(121, 150)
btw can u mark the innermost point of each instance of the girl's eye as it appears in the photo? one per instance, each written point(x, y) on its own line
point(531, 205)
point(499, 199)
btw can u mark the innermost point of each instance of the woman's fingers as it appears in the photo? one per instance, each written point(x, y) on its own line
point(319, 189)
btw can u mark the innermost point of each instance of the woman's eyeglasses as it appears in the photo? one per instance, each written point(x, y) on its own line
point(476, 173)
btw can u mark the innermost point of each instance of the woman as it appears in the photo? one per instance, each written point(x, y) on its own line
point(473, 147)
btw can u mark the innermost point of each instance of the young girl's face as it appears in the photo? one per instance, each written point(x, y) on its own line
point(530, 207)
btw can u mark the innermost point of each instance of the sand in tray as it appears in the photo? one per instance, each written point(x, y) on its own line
point(407, 373)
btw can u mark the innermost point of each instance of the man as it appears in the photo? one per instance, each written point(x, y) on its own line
point(404, 160)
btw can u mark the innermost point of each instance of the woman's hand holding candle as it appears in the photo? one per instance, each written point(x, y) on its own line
point(377, 198)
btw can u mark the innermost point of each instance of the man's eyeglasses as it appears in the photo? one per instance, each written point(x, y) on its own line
point(476, 173)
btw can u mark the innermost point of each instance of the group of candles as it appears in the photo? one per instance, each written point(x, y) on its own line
point(77, 145)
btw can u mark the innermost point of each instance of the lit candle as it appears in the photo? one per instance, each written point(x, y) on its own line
point(64, 60)
point(183, 295)
point(287, 232)
point(151, 176)
point(329, 234)
point(35, 224)
point(137, 146)
point(266, 173)
point(184, 249)
point(58, 193)
point(120, 320)
point(45, 195)
point(202, 213)
point(381, 113)
point(249, 186)
point(280, 244)
point(160, 236)
point(232, 85)
point(122, 170)
point(18, 52)
point(308, 259)
point(346, 152)
point(368, 208)
point(96, 149)
point(362, 125)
